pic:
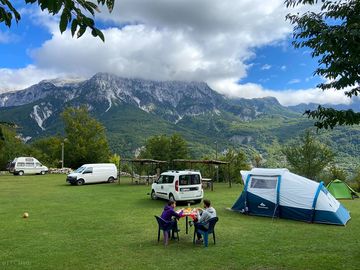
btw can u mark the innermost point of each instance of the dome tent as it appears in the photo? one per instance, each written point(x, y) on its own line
point(341, 190)
point(280, 193)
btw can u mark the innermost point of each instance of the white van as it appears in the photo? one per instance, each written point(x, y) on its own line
point(27, 165)
point(178, 186)
point(93, 173)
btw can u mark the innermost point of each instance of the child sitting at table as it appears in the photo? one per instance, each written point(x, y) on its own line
point(204, 216)
point(171, 216)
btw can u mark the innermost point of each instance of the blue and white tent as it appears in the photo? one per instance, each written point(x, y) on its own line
point(280, 193)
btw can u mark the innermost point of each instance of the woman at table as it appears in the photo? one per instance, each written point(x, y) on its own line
point(204, 216)
point(171, 216)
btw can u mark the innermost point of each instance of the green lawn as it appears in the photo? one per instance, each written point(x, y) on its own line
point(111, 226)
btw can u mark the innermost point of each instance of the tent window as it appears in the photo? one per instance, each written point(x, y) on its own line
point(263, 183)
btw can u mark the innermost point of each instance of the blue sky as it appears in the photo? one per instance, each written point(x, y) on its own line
point(241, 49)
point(282, 67)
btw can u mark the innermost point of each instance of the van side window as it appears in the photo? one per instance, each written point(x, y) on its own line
point(88, 170)
point(30, 164)
point(20, 164)
point(38, 164)
point(168, 179)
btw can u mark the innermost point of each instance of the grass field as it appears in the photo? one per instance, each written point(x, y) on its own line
point(111, 226)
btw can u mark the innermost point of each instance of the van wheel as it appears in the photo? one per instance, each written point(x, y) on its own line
point(42, 172)
point(111, 179)
point(171, 197)
point(79, 182)
point(153, 195)
point(21, 173)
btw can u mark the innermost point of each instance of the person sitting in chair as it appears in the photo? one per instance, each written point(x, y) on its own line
point(204, 216)
point(171, 216)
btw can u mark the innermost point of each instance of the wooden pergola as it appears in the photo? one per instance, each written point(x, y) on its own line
point(208, 162)
point(141, 162)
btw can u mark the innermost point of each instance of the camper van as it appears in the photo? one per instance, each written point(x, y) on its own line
point(27, 165)
point(93, 173)
point(178, 186)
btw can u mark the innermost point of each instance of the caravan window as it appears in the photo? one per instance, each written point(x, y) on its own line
point(263, 183)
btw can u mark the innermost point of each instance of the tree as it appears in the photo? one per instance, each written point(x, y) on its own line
point(333, 35)
point(257, 160)
point(73, 12)
point(50, 149)
point(164, 148)
point(86, 139)
point(115, 158)
point(10, 145)
point(238, 161)
point(356, 180)
point(156, 147)
point(308, 157)
point(333, 173)
point(178, 147)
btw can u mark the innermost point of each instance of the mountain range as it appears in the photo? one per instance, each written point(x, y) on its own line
point(134, 109)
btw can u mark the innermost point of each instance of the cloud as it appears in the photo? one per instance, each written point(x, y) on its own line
point(287, 98)
point(166, 40)
point(294, 81)
point(266, 67)
point(199, 40)
point(283, 68)
point(6, 37)
point(16, 79)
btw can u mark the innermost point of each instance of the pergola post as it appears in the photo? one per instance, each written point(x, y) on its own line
point(229, 178)
point(119, 173)
point(132, 172)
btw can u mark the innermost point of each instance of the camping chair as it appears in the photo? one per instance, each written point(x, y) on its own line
point(212, 223)
point(166, 227)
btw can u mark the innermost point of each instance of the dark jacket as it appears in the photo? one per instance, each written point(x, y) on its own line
point(168, 213)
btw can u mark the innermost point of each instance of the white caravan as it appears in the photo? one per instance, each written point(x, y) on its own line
point(178, 186)
point(93, 173)
point(27, 165)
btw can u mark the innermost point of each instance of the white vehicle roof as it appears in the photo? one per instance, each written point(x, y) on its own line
point(99, 165)
point(25, 159)
point(174, 172)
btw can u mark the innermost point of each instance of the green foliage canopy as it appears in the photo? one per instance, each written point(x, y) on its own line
point(308, 157)
point(76, 13)
point(49, 150)
point(86, 140)
point(165, 148)
point(333, 35)
point(238, 161)
point(10, 145)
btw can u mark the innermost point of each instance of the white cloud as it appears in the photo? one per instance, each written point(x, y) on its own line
point(15, 79)
point(294, 81)
point(168, 40)
point(266, 67)
point(287, 98)
point(6, 37)
point(283, 68)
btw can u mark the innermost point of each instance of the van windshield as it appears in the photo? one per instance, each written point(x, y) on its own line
point(80, 170)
